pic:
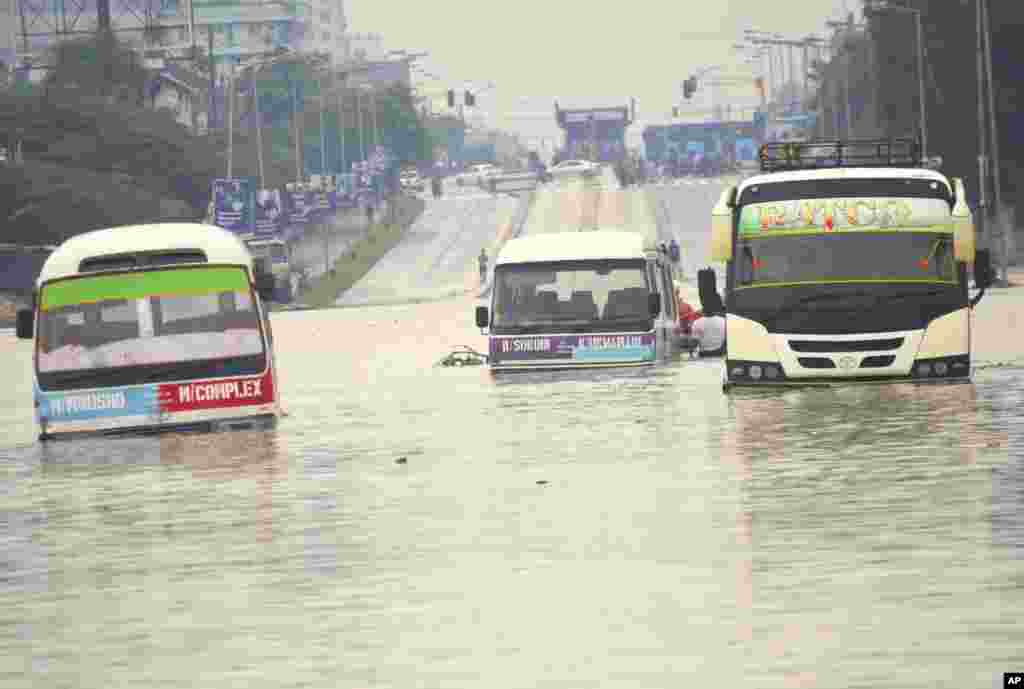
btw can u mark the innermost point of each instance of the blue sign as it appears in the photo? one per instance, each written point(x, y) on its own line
point(298, 212)
point(746, 149)
point(233, 205)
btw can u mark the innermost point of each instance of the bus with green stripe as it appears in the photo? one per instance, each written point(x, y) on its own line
point(846, 262)
point(151, 328)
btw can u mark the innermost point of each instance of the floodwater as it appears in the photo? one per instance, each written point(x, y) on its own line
point(634, 529)
point(412, 526)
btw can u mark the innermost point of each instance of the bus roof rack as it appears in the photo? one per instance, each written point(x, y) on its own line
point(823, 154)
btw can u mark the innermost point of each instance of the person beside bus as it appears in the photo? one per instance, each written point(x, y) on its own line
point(483, 266)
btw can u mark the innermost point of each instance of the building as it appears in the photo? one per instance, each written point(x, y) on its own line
point(366, 46)
point(184, 94)
point(381, 73)
point(237, 29)
point(8, 28)
point(594, 134)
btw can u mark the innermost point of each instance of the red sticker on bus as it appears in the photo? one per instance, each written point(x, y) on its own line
point(214, 394)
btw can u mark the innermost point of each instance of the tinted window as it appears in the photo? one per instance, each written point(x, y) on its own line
point(579, 292)
point(838, 188)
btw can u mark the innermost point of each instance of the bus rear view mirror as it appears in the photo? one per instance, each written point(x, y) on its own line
point(707, 290)
point(963, 225)
point(654, 304)
point(721, 226)
point(482, 317)
point(983, 273)
point(264, 285)
point(23, 324)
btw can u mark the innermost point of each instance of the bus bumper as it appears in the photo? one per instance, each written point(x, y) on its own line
point(253, 422)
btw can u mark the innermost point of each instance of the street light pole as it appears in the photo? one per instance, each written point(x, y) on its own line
point(296, 126)
point(259, 129)
point(981, 220)
point(359, 123)
point(997, 186)
point(323, 136)
point(920, 84)
point(231, 120)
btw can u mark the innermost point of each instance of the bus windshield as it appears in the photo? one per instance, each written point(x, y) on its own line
point(130, 328)
point(845, 241)
point(578, 295)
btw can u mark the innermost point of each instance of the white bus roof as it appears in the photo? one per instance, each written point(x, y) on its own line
point(219, 245)
point(575, 246)
point(845, 173)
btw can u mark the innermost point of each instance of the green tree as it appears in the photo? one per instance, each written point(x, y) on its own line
point(100, 63)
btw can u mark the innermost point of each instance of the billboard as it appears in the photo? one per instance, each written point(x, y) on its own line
point(726, 139)
point(381, 73)
point(234, 205)
point(269, 212)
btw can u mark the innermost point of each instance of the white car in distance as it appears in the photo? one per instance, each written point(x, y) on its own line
point(477, 175)
point(569, 168)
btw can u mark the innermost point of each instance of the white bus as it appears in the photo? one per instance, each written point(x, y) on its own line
point(846, 261)
point(273, 256)
point(580, 299)
point(151, 328)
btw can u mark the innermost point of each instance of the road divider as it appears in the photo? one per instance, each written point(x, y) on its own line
point(362, 255)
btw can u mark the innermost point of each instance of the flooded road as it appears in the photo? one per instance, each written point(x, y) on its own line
point(635, 529)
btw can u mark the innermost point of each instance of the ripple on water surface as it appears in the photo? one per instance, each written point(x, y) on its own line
point(622, 529)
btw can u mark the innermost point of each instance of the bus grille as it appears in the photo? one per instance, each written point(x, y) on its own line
point(816, 362)
point(810, 346)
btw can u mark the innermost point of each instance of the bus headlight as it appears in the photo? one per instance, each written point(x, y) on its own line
point(754, 371)
point(945, 367)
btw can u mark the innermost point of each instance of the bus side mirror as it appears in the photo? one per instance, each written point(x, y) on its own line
point(963, 225)
point(984, 276)
point(707, 290)
point(23, 324)
point(264, 285)
point(483, 318)
point(654, 303)
point(721, 226)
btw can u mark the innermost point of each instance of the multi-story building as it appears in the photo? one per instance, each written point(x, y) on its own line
point(8, 24)
point(237, 29)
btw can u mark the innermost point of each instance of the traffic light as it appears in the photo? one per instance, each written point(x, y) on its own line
point(470, 100)
point(689, 86)
point(675, 111)
point(451, 98)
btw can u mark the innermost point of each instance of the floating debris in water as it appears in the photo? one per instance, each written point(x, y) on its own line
point(542, 482)
point(401, 460)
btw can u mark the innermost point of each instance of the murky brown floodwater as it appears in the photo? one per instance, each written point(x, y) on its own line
point(847, 538)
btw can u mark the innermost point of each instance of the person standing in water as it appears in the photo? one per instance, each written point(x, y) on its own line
point(483, 266)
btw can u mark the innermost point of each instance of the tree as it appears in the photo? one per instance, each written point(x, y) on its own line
point(99, 64)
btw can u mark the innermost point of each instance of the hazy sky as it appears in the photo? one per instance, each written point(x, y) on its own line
point(585, 53)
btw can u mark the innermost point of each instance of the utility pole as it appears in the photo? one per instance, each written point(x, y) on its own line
point(259, 128)
point(982, 221)
point(211, 116)
point(297, 127)
point(323, 134)
point(231, 120)
point(359, 122)
point(341, 123)
point(997, 190)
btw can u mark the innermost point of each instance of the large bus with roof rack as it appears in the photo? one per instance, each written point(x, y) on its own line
point(846, 261)
point(148, 329)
